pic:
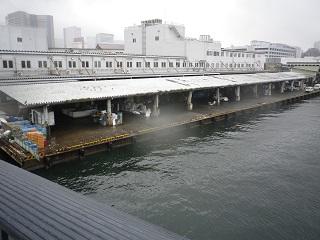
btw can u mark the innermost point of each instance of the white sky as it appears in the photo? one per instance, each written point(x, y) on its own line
point(237, 22)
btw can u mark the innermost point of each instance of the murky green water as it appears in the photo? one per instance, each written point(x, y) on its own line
point(254, 178)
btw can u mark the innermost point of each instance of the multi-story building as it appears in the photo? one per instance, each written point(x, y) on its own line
point(153, 37)
point(23, 19)
point(72, 37)
point(317, 45)
point(23, 38)
point(274, 50)
point(100, 38)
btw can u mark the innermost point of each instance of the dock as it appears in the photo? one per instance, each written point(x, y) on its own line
point(73, 139)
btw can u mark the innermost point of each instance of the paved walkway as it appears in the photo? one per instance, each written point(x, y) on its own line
point(72, 132)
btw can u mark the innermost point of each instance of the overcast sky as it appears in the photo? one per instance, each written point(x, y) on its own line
point(233, 22)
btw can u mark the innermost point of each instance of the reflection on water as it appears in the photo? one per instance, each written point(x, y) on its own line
point(253, 178)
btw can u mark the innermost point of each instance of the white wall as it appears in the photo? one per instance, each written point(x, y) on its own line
point(168, 44)
point(70, 33)
point(130, 33)
point(32, 38)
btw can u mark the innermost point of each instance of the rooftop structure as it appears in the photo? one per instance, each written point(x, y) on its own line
point(57, 93)
point(36, 208)
point(23, 19)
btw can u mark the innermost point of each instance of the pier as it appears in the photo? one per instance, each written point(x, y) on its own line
point(72, 139)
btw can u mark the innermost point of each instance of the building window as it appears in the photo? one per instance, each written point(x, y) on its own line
point(85, 64)
point(155, 64)
point(222, 54)
point(129, 64)
point(97, 64)
point(177, 64)
point(138, 64)
point(19, 39)
point(239, 54)
point(163, 64)
point(25, 64)
point(196, 64)
point(7, 64)
point(45, 65)
point(108, 64)
point(147, 64)
point(72, 64)
point(231, 55)
point(134, 40)
point(190, 65)
point(119, 64)
point(57, 64)
point(156, 38)
point(171, 64)
point(40, 64)
point(184, 64)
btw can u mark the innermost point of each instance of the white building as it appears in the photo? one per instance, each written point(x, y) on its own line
point(73, 38)
point(100, 38)
point(155, 38)
point(317, 45)
point(275, 50)
point(104, 38)
point(23, 38)
point(23, 19)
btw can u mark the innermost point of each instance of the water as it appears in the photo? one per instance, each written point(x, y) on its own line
point(254, 178)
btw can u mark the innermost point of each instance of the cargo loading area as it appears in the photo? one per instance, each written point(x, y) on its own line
point(76, 118)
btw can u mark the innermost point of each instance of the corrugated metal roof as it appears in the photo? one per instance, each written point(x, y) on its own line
point(56, 93)
point(34, 208)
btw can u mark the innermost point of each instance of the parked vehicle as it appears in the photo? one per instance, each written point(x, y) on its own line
point(316, 87)
point(309, 89)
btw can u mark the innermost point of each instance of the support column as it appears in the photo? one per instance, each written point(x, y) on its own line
point(46, 115)
point(302, 84)
point(189, 101)
point(156, 110)
point(46, 121)
point(237, 92)
point(218, 96)
point(255, 90)
point(269, 89)
point(291, 87)
point(109, 112)
point(283, 84)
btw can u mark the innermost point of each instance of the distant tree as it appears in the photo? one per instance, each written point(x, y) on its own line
point(312, 52)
